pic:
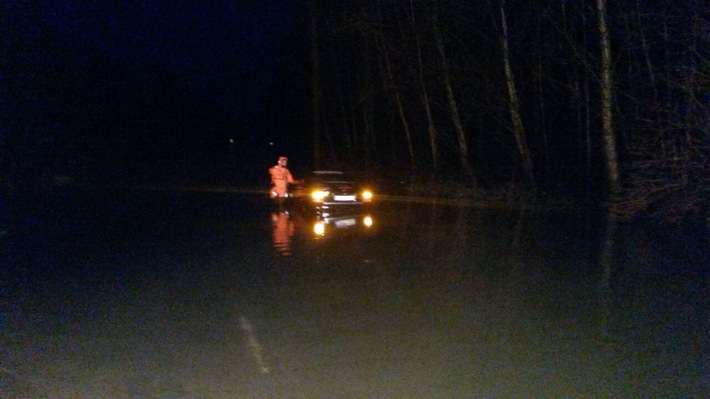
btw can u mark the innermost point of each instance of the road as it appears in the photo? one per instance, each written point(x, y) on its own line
point(191, 294)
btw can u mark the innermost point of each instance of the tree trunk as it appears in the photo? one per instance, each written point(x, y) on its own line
point(425, 95)
point(453, 107)
point(608, 135)
point(315, 85)
point(518, 128)
point(366, 103)
point(646, 50)
point(390, 85)
point(588, 134)
point(345, 123)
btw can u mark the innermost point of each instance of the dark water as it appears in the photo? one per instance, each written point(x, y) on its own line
point(127, 294)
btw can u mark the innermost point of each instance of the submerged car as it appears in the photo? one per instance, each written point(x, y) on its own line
point(332, 194)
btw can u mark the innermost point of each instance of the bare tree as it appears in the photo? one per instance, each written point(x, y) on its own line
point(608, 135)
point(514, 103)
point(668, 172)
point(453, 106)
point(426, 103)
point(391, 87)
point(316, 94)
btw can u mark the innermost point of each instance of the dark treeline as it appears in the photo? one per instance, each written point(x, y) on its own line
point(520, 94)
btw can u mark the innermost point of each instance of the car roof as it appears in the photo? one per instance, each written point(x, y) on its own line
point(328, 172)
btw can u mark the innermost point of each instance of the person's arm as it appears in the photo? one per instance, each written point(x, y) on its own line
point(294, 181)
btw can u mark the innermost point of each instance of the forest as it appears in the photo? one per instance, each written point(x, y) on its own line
point(593, 100)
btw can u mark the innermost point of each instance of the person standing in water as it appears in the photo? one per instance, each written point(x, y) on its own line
point(280, 179)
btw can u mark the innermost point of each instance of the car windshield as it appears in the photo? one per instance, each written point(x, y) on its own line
point(329, 176)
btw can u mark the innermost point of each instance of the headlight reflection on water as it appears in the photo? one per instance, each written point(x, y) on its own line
point(319, 228)
point(368, 221)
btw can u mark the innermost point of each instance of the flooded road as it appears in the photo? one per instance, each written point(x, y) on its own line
point(149, 294)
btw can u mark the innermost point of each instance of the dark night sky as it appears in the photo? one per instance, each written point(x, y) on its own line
point(146, 79)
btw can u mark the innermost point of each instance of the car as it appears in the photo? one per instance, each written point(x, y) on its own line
point(332, 194)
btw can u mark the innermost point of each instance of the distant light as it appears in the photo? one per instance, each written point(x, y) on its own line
point(271, 143)
point(231, 141)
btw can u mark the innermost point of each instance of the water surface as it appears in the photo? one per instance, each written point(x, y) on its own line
point(130, 293)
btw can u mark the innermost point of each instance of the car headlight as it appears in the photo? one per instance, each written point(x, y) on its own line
point(367, 195)
point(319, 195)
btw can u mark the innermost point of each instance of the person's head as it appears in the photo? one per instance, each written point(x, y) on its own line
point(283, 161)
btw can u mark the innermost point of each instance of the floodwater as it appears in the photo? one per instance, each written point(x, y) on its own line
point(159, 294)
